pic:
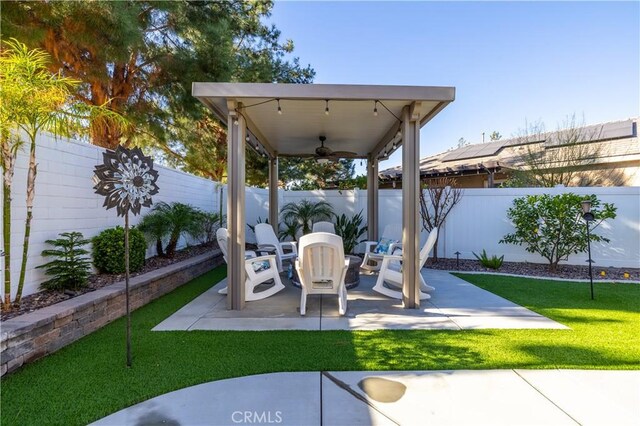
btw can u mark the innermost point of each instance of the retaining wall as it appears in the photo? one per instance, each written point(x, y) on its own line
point(26, 338)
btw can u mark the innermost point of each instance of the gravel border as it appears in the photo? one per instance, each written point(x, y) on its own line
point(540, 270)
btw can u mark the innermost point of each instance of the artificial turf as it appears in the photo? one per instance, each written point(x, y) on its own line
point(88, 379)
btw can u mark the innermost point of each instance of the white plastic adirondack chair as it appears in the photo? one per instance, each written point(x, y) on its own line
point(391, 271)
point(324, 227)
point(266, 237)
point(258, 270)
point(322, 267)
point(391, 232)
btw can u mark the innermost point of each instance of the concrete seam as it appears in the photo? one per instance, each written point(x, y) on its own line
point(344, 386)
point(321, 401)
point(546, 397)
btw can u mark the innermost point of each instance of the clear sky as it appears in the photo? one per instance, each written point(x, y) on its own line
point(510, 62)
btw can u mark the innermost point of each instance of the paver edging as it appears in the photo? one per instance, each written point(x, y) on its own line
point(28, 337)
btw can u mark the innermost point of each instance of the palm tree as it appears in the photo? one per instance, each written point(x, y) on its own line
point(171, 221)
point(306, 212)
point(34, 100)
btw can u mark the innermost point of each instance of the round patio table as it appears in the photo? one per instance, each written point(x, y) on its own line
point(351, 280)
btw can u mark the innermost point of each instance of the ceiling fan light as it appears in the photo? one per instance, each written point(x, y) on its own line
point(322, 160)
point(279, 109)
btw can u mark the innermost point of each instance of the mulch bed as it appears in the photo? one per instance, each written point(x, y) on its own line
point(540, 270)
point(49, 297)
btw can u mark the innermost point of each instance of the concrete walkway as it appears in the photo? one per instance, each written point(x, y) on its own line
point(454, 305)
point(492, 397)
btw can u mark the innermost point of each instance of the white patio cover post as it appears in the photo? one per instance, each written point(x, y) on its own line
point(235, 207)
point(410, 214)
point(273, 193)
point(372, 198)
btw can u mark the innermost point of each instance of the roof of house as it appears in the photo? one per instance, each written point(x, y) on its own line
point(504, 153)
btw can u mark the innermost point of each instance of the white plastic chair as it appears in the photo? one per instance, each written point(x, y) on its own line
point(373, 261)
point(322, 268)
point(265, 236)
point(324, 227)
point(258, 270)
point(391, 271)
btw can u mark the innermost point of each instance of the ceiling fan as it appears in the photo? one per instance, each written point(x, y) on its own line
point(326, 153)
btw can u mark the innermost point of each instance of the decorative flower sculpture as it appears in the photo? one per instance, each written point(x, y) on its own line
point(126, 179)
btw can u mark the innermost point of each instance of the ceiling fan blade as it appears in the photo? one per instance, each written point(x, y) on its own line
point(344, 154)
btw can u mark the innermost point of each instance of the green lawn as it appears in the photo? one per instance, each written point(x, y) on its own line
point(88, 379)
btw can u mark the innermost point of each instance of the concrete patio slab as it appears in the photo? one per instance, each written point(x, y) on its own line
point(498, 397)
point(454, 305)
point(282, 398)
point(591, 397)
point(482, 397)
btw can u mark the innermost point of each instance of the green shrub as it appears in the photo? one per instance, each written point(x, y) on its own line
point(108, 250)
point(209, 224)
point(70, 270)
point(552, 226)
point(351, 231)
point(493, 262)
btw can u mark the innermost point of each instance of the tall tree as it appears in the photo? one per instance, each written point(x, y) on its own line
point(140, 57)
point(495, 136)
point(308, 174)
point(563, 157)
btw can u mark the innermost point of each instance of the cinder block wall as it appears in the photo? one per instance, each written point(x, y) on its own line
point(65, 200)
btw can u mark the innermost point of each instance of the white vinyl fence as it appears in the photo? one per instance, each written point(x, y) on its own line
point(479, 221)
point(65, 201)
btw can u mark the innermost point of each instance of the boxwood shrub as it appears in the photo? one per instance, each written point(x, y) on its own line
point(108, 250)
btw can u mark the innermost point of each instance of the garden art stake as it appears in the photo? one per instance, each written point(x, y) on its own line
point(127, 180)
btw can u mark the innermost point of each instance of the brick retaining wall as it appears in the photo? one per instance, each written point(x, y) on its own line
point(25, 338)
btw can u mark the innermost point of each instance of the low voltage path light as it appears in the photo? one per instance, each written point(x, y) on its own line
point(588, 217)
point(127, 180)
point(457, 259)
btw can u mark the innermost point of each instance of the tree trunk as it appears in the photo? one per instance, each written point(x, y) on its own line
point(435, 250)
point(159, 247)
point(8, 163)
point(6, 239)
point(105, 133)
point(31, 187)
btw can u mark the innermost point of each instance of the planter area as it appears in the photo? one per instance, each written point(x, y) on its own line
point(28, 337)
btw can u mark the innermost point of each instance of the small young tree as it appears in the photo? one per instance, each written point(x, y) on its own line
point(437, 198)
point(552, 226)
point(559, 158)
point(70, 268)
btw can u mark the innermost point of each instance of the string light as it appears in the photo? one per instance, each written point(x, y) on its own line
point(326, 108)
point(235, 121)
point(375, 109)
point(279, 109)
point(399, 133)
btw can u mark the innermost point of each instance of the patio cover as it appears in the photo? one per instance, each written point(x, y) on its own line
point(280, 120)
